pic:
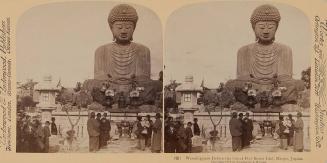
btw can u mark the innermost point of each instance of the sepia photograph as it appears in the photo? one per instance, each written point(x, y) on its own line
point(89, 79)
point(219, 81)
point(237, 78)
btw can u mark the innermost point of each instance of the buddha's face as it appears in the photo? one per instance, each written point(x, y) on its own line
point(265, 31)
point(123, 31)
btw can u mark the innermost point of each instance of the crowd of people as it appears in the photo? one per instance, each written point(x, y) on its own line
point(178, 139)
point(241, 129)
point(99, 131)
point(290, 132)
point(32, 136)
point(147, 132)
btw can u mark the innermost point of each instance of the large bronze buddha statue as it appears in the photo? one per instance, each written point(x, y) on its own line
point(266, 62)
point(123, 58)
point(123, 66)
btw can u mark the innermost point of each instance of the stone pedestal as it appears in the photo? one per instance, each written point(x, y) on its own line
point(188, 114)
point(46, 115)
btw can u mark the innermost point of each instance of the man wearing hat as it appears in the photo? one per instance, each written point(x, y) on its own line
point(298, 135)
point(248, 128)
point(54, 130)
point(93, 129)
point(235, 128)
point(149, 134)
point(47, 134)
point(170, 138)
point(157, 134)
point(196, 128)
point(189, 135)
point(105, 128)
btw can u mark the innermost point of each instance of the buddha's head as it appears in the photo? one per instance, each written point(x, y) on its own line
point(122, 22)
point(265, 20)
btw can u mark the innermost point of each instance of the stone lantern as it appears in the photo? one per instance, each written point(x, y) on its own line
point(47, 96)
point(189, 98)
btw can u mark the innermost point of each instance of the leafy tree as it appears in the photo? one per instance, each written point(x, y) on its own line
point(170, 99)
point(65, 96)
point(26, 101)
point(217, 98)
point(305, 77)
point(170, 95)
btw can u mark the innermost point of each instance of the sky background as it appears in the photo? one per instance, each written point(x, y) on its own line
point(60, 39)
point(203, 40)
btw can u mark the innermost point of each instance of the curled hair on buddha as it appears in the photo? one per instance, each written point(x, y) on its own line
point(123, 12)
point(265, 12)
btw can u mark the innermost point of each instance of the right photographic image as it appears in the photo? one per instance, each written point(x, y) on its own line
point(237, 78)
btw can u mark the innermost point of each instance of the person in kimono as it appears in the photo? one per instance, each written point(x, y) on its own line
point(141, 132)
point(47, 134)
point(157, 134)
point(298, 135)
point(150, 130)
point(290, 138)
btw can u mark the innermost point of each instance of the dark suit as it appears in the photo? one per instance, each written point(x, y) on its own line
point(170, 138)
point(196, 129)
point(181, 139)
point(105, 128)
point(93, 129)
point(235, 127)
point(47, 134)
point(54, 130)
point(189, 135)
point(247, 133)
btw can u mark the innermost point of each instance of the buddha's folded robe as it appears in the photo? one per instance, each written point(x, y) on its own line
point(261, 67)
point(263, 63)
point(121, 62)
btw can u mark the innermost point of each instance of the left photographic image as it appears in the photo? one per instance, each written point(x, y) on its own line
point(89, 79)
